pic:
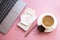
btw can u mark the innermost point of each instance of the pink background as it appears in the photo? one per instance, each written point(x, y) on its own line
point(41, 6)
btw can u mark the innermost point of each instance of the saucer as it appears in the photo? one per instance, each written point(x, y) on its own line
point(39, 22)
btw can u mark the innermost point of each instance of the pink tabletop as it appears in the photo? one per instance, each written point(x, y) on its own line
point(41, 6)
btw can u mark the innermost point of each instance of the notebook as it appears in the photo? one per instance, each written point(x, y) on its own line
point(27, 18)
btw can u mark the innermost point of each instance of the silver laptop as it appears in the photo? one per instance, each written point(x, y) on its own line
point(9, 11)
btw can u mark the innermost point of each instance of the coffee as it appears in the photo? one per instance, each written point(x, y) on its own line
point(48, 21)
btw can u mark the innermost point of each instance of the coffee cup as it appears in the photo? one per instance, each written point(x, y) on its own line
point(46, 22)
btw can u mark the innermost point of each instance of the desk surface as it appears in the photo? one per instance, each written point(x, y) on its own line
point(41, 6)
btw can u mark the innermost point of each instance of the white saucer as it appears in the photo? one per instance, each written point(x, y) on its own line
point(39, 22)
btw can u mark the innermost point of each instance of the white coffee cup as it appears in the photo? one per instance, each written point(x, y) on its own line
point(47, 28)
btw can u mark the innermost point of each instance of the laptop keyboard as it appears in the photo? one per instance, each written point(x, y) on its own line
point(5, 7)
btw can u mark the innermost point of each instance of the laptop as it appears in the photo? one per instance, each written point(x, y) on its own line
point(9, 11)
